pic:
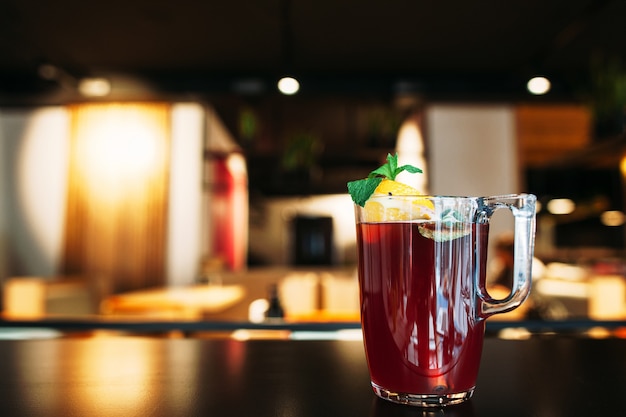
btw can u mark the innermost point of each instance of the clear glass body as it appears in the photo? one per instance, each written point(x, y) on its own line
point(423, 296)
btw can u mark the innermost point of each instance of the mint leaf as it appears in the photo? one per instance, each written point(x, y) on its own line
point(409, 168)
point(391, 169)
point(361, 190)
point(387, 170)
point(450, 216)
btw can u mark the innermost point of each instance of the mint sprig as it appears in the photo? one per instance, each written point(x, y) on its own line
point(362, 190)
point(391, 169)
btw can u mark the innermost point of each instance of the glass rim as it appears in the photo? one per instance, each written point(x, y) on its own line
point(455, 197)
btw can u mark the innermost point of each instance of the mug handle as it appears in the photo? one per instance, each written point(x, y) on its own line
point(522, 207)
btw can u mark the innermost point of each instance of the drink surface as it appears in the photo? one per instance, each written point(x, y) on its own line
point(420, 325)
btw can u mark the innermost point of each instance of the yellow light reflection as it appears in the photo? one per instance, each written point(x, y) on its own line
point(122, 369)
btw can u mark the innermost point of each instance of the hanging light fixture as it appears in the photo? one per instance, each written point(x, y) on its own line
point(287, 85)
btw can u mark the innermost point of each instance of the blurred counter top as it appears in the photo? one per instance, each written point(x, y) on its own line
point(141, 376)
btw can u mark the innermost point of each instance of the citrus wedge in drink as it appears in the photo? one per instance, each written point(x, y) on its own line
point(412, 207)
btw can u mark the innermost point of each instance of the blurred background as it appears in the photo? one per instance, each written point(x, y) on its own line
point(151, 166)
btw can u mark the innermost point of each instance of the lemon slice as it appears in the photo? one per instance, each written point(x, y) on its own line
point(392, 187)
point(397, 209)
point(376, 211)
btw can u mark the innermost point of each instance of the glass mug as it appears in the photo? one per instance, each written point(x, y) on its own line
point(424, 302)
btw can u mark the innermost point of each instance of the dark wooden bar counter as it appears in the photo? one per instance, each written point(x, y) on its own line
point(144, 376)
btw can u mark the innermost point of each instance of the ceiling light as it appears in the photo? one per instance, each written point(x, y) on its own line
point(288, 85)
point(94, 87)
point(612, 218)
point(561, 206)
point(538, 85)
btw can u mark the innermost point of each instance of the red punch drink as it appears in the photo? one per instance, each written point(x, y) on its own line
point(422, 262)
point(421, 329)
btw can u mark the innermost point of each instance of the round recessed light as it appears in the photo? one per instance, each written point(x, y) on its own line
point(288, 85)
point(538, 85)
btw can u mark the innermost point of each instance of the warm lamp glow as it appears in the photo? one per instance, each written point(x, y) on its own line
point(561, 206)
point(410, 149)
point(117, 146)
point(94, 87)
point(118, 177)
point(622, 166)
point(112, 150)
point(613, 218)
